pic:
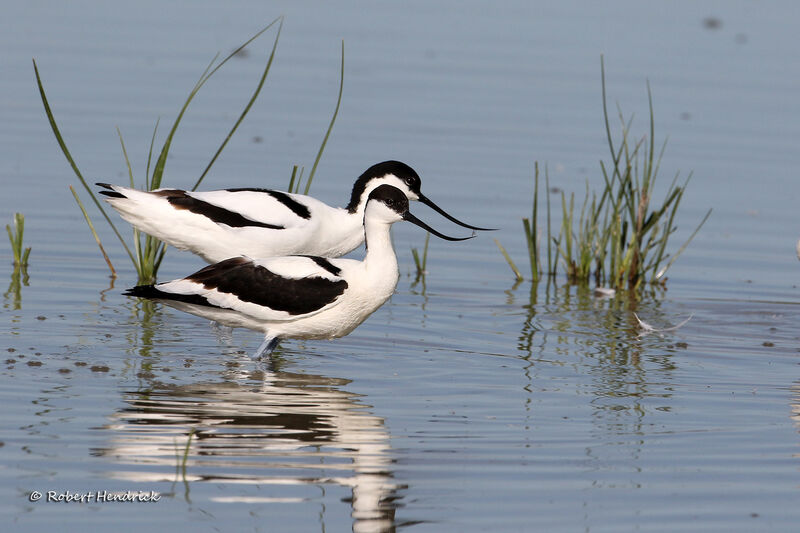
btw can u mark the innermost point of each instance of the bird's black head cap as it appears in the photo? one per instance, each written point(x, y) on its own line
point(403, 172)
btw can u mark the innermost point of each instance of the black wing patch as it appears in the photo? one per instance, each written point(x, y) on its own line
point(324, 263)
point(254, 284)
point(152, 293)
point(258, 285)
point(220, 215)
point(296, 207)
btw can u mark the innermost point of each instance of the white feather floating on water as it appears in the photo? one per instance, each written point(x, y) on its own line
point(647, 328)
point(604, 292)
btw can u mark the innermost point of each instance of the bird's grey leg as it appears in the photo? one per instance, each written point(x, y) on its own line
point(266, 348)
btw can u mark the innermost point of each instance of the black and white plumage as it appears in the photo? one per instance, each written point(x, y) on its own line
point(261, 222)
point(298, 296)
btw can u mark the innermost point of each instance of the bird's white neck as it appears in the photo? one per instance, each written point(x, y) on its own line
point(380, 260)
point(378, 237)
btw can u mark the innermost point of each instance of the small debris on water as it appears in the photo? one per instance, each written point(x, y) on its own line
point(647, 328)
point(604, 292)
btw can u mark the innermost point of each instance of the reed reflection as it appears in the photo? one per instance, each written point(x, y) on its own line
point(13, 296)
point(266, 435)
point(794, 405)
point(599, 339)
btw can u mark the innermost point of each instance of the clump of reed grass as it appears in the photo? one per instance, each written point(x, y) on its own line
point(620, 236)
point(148, 252)
point(15, 237)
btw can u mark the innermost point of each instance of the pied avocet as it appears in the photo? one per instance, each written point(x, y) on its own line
point(298, 296)
point(261, 222)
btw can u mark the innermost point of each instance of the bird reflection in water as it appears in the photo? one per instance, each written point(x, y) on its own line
point(263, 434)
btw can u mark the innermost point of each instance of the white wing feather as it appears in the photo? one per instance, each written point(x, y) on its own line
point(259, 206)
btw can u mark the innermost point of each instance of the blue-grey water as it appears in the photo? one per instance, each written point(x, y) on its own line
point(467, 402)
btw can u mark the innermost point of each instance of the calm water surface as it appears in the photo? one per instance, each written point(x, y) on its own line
point(468, 402)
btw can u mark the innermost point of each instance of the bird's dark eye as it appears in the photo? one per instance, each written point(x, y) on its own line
point(409, 181)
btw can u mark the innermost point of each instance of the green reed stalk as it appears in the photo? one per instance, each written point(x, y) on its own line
point(94, 233)
point(630, 188)
point(15, 237)
point(421, 264)
point(252, 98)
point(510, 261)
point(551, 243)
point(621, 232)
point(71, 161)
point(330, 127)
point(530, 227)
point(296, 179)
point(150, 253)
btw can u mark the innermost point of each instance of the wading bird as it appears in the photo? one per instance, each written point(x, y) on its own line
point(261, 222)
point(298, 296)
